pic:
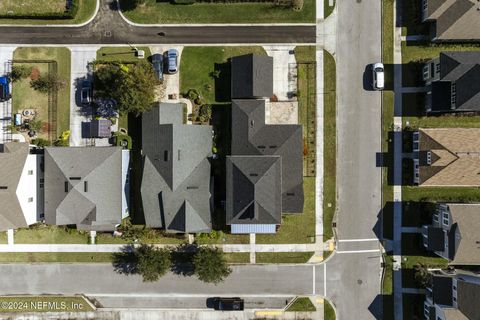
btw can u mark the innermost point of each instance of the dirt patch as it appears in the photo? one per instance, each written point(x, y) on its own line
point(35, 74)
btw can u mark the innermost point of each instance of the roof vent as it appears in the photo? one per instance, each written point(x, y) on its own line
point(66, 186)
point(3, 187)
point(290, 193)
point(272, 147)
point(253, 174)
point(165, 155)
point(192, 188)
point(429, 158)
point(261, 147)
point(85, 186)
point(75, 178)
point(252, 123)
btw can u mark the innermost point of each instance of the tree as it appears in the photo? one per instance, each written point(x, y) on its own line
point(50, 82)
point(152, 263)
point(210, 265)
point(132, 87)
point(128, 5)
point(205, 113)
point(422, 276)
point(20, 72)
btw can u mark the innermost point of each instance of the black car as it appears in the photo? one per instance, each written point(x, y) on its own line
point(86, 92)
point(228, 304)
point(157, 63)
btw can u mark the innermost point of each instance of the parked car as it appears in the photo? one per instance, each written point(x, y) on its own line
point(4, 89)
point(157, 63)
point(172, 61)
point(228, 304)
point(378, 72)
point(86, 92)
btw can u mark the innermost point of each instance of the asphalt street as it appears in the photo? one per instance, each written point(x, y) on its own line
point(356, 290)
point(108, 27)
point(264, 286)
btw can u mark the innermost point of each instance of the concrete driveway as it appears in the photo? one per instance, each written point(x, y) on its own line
point(284, 82)
point(81, 56)
point(171, 81)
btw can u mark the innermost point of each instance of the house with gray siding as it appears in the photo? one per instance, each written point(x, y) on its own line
point(452, 20)
point(452, 82)
point(452, 295)
point(453, 233)
point(176, 183)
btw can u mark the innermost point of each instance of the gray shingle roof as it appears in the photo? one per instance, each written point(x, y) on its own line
point(252, 76)
point(254, 190)
point(251, 136)
point(463, 70)
point(12, 161)
point(83, 186)
point(176, 175)
point(454, 19)
point(468, 297)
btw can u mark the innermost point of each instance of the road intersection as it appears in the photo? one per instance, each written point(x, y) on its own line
point(351, 277)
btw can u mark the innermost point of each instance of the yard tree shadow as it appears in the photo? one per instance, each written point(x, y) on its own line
point(125, 261)
point(417, 214)
point(182, 259)
point(223, 86)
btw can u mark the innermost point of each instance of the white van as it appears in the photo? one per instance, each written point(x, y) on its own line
point(378, 76)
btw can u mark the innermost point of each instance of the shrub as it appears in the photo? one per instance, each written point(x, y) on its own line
point(41, 143)
point(205, 113)
point(183, 1)
point(51, 82)
point(20, 72)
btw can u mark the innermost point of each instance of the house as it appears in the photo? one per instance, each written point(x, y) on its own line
point(252, 76)
point(252, 137)
point(21, 182)
point(453, 233)
point(452, 82)
point(176, 185)
point(254, 193)
point(452, 20)
point(452, 296)
point(446, 157)
point(86, 187)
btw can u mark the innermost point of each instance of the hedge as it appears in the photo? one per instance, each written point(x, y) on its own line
point(68, 14)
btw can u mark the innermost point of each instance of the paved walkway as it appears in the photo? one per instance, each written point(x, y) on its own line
point(397, 189)
point(118, 247)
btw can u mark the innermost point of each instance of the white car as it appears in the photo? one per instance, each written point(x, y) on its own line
point(378, 74)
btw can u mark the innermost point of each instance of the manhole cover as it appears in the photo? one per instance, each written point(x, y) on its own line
point(359, 281)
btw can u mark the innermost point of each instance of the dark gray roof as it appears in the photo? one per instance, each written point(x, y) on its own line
point(176, 174)
point(254, 194)
point(251, 136)
point(461, 69)
point(454, 20)
point(12, 160)
point(442, 290)
point(436, 239)
point(468, 298)
point(83, 186)
point(252, 76)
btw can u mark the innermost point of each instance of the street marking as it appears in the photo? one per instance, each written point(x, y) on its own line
point(358, 240)
point(359, 251)
point(324, 279)
point(313, 269)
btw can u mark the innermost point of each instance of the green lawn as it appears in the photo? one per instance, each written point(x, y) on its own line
point(387, 118)
point(327, 9)
point(45, 234)
point(296, 228)
point(237, 257)
point(328, 311)
point(44, 303)
point(302, 304)
point(307, 104)
point(58, 257)
point(86, 10)
point(24, 96)
point(123, 54)
point(283, 257)
point(167, 12)
point(446, 121)
point(440, 194)
point(3, 238)
point(329, 144)
point(26, 7)
point(123, 121)
point(197, 65)
point(150, 236)
point(425, 51)
point(220, 237)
